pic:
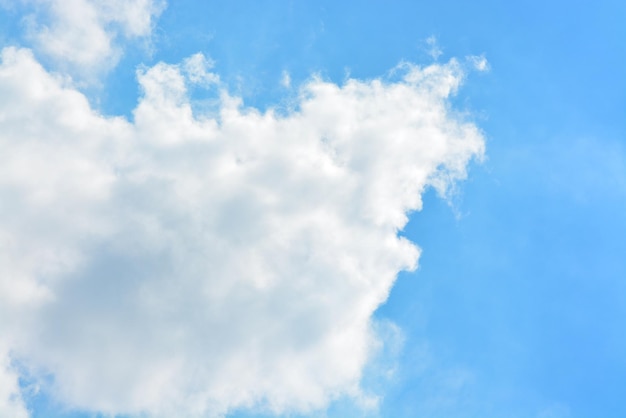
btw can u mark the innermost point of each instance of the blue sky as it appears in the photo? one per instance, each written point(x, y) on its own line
point(518, 306)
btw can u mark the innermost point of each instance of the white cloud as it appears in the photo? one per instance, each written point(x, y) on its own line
point(196, 70)
point(11, 403)
point(479, 62)
point(432, 47)
point(188, 264)
point(285, 79)
point(82, 34)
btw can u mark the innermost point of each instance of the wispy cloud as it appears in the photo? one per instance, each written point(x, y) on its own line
point(432, 47)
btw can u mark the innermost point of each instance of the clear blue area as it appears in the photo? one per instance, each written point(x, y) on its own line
point(518, 308)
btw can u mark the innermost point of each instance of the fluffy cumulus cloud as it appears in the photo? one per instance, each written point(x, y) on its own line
point(82, 34)
point(188, 263)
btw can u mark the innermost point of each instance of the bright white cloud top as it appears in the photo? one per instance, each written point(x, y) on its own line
point(189, 263)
